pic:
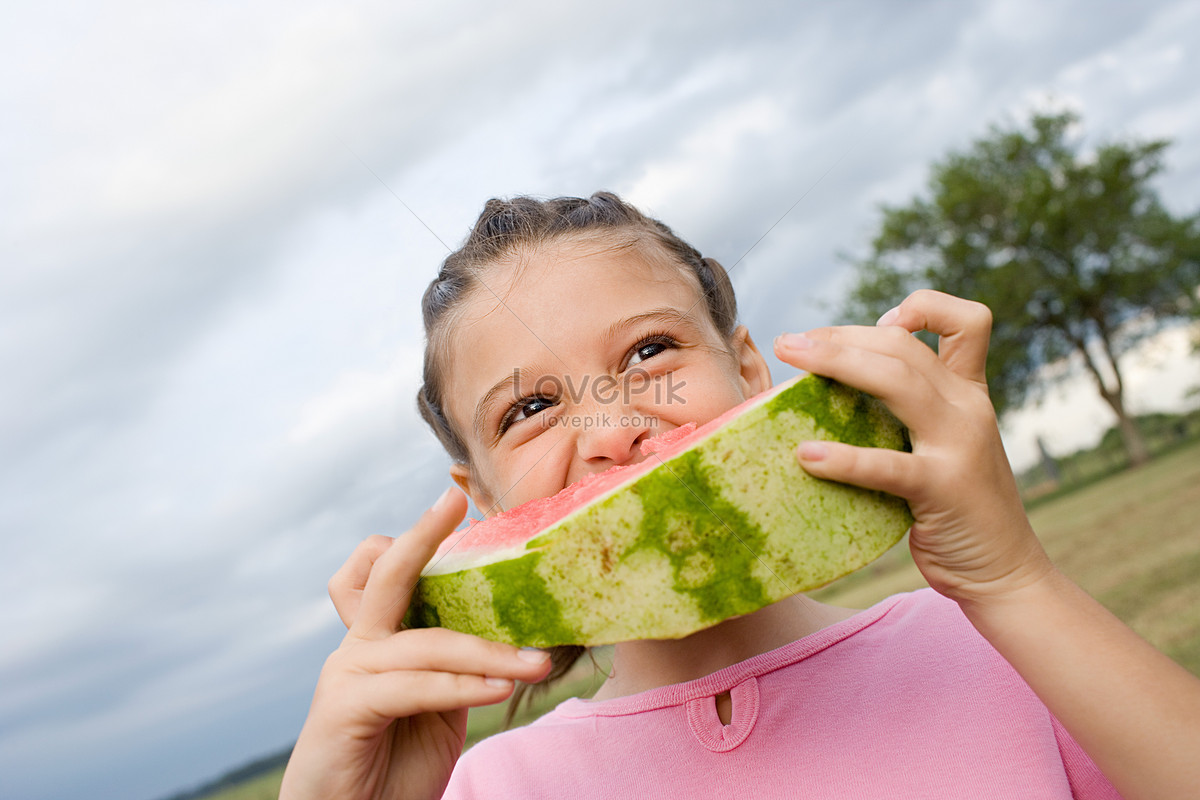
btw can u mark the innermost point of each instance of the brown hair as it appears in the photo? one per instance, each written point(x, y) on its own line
point(507, 228)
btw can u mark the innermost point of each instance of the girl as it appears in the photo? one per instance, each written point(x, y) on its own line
point(1007, 680)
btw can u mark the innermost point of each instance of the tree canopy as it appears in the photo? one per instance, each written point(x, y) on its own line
point(1072, 250)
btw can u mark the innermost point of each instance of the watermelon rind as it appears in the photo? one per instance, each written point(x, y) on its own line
point(723, 528)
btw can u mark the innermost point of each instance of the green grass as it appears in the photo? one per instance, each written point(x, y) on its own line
point(1131, 539)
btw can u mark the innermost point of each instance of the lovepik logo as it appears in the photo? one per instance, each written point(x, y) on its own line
point(604, 389)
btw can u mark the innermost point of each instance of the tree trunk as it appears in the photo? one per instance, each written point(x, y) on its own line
point(1131, 435)
point(1134, 443)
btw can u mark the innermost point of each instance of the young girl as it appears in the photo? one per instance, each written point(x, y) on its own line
point(1006, 681)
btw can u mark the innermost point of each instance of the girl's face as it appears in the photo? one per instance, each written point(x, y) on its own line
point(563, 367)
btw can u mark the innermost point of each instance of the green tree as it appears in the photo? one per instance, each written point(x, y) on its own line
point(1072, 250)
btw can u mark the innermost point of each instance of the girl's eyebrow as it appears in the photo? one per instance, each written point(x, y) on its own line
point(485, 403)
point(665, 315)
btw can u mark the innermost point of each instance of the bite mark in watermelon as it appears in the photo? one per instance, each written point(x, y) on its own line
point(717, 521)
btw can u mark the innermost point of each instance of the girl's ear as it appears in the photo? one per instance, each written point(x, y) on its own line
point(462, 475)
point(752, 367)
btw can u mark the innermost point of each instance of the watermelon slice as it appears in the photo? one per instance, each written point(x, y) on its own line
point(717, 521)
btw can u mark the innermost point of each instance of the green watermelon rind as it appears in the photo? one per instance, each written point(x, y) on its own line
point(729, 525)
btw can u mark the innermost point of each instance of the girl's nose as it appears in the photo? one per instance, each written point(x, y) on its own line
point(611, 436)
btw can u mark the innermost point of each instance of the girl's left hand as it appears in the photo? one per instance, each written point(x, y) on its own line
point(971, 538)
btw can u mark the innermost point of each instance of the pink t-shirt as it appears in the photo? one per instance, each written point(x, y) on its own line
point(903, 700)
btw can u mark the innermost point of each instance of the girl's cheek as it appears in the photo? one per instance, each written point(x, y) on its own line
point(534, 465)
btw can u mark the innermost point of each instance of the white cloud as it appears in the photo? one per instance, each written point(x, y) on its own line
point(713, 147)
point(211, 339)
point(354, 398)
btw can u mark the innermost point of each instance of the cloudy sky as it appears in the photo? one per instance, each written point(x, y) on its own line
point(209, 284)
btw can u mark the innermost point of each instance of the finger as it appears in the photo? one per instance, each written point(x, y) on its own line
point(394, 574)
point(394, 695)
point(963, 327)
point(347, 584)
point(906, 385)
point(891, 341)
point(871, 468)
point(443, 650)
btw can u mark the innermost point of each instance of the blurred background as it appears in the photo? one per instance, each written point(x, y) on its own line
point(217, 221)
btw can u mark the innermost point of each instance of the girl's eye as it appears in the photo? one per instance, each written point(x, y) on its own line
point(650, 347)
point(524, 409)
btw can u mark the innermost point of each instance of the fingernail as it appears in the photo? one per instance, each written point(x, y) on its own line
point(889, 317)
point(443, 500)
point(794, 341)
point(813, 451)
point(499, 683)
point(532, 655)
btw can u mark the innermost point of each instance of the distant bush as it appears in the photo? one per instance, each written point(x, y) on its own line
point(237, 776)
point(1162, 431)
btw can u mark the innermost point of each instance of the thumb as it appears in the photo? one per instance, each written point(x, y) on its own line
point(394, 574)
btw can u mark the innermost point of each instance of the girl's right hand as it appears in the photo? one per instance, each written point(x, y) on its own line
point(389, 715)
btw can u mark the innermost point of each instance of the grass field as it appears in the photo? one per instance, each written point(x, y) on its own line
point(1132, 540)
